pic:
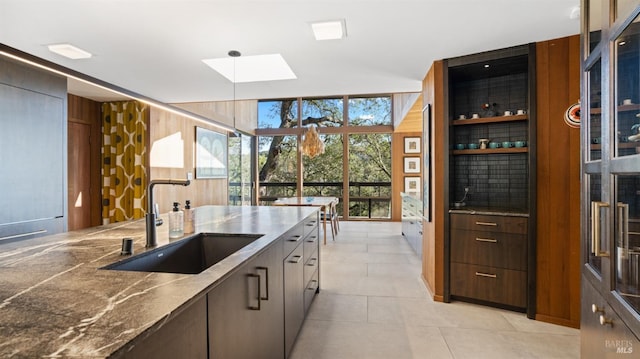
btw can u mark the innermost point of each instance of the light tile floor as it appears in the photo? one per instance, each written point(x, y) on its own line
point(373, 304)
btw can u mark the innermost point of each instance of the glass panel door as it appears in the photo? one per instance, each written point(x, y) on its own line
point(595, 112)
point(370, 176)
point(240, 169)
point(323, 175)
point(627, 239)
point(627, 52)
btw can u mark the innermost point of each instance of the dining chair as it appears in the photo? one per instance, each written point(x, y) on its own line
point(332, 216)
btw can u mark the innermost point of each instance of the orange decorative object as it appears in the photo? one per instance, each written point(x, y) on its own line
point(572, 116)
point(311, 144)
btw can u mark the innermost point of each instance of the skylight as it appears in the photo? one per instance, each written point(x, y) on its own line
point(252, 68)
point(329, 30)
point(69, 51)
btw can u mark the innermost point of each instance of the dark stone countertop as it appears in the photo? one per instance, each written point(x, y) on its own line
point(55, 301)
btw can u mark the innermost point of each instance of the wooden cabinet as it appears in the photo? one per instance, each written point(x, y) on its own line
point(246, 310)
point(489, 176)
point(489, 258)
point(301, 276)
point(412, 221)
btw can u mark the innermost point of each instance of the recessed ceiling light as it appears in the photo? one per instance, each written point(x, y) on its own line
point(486, 66)
point(329, 30)
point(69, 51)
point(252, 68)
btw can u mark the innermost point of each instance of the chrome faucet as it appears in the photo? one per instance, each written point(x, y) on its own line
point(151, 214)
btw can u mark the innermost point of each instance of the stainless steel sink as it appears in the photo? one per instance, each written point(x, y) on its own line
point(190, 255)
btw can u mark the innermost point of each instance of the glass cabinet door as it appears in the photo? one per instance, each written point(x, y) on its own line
point(627, 91)
point(627, 240)
point(595, 112)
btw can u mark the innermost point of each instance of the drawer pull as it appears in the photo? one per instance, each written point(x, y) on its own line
point(313, 285)
point(490, 224)
point(487, 275)
point(314, 260)
point(294, 238)
point(295, 259)
point(311, 239)
point(490, 240)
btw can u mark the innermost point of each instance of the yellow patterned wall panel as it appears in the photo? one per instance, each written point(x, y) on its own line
point(124, 167)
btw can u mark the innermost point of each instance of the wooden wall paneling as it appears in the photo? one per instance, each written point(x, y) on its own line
point(200, 191)
point(433, 270)
point(246, 112)
point(412, 122)
point(575, 263)
point(558, 179)
point(86, 112)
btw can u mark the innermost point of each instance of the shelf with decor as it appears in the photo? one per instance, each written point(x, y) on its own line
point(493, 119)
point(498, 87)
point(491, 151)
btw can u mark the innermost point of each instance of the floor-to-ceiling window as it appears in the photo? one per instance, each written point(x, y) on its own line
point(241, 169)
point(355, 165)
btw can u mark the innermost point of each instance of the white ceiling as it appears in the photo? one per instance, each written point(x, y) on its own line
point(155, 47)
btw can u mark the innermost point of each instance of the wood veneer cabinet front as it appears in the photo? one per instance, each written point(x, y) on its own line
point(489, 258)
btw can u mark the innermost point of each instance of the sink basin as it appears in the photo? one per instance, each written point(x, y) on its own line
point(191, 255)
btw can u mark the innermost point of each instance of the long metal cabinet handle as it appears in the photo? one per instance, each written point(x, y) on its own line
point(488, 275)
point(623, 227)
point(491, 224)
point(251, 275)
point(266, 281)
point(595, 228)
point(490, 240)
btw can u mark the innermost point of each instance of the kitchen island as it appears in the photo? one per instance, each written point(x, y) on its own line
point(56, 301)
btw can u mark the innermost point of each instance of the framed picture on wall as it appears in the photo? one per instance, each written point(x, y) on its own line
point(412, 145)
point(412, 165)
point(412, 184)
point(211, 154)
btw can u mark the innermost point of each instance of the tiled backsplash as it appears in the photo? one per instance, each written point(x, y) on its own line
point(496, 181)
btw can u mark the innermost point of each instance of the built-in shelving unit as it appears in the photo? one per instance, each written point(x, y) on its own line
point(491, 189)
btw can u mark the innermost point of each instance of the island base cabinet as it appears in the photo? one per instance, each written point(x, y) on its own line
point(293, 296)
point(246, 314)
point(183, 336)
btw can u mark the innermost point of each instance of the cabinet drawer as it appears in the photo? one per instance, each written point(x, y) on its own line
point(488, 223)
point(310, 291)
point(292, 239)
point(493, 249)
point(503, 286)
point(310, 267)
point(310, 224)
point(310, 245)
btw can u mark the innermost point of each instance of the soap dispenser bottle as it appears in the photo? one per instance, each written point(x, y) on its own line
point(188, 218)
point(176, 222)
